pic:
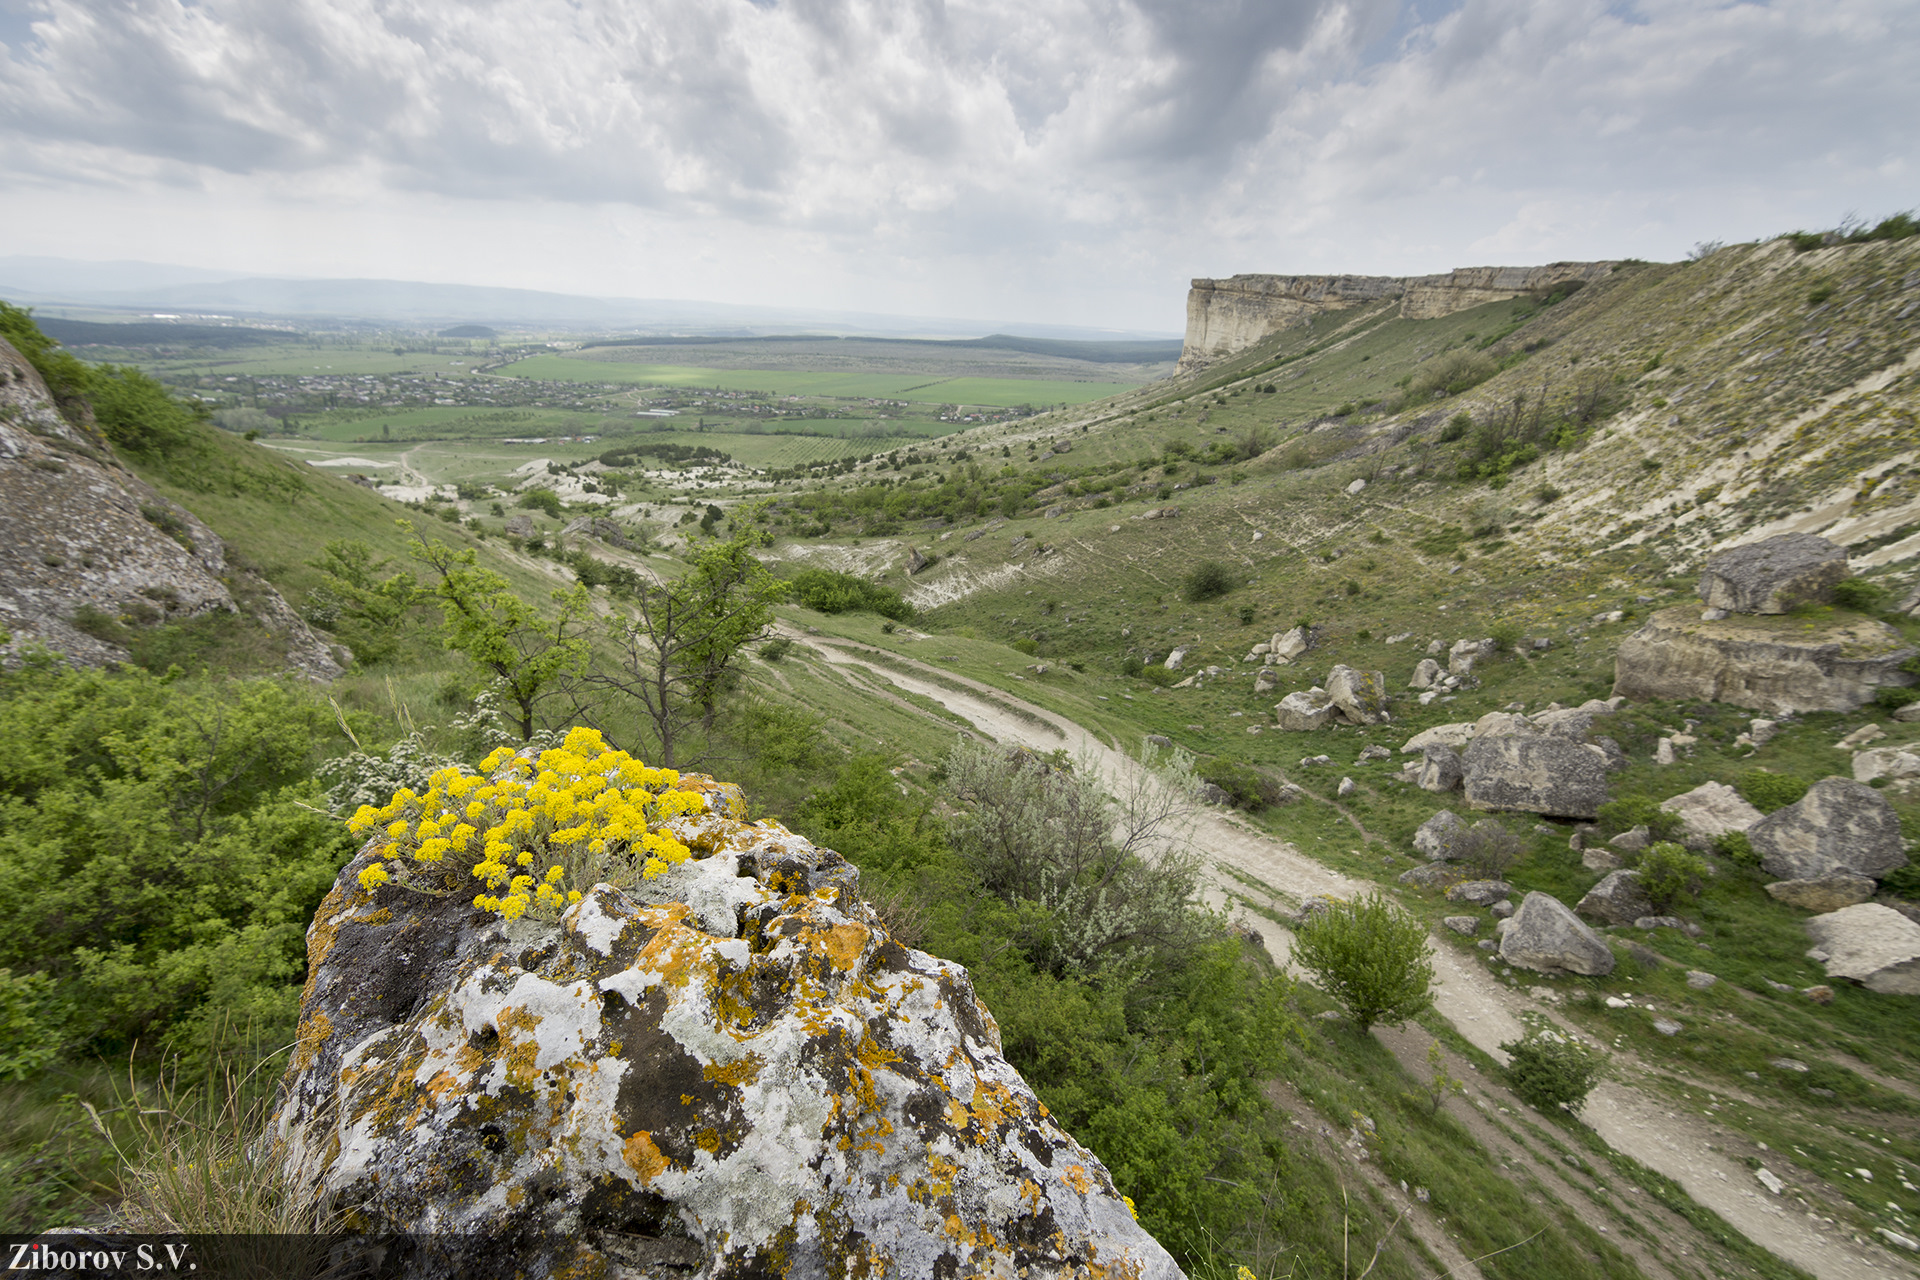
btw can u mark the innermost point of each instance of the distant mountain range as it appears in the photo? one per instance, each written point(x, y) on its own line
point(56, 284)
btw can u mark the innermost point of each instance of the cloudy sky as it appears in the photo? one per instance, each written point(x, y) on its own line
point(1050, 161)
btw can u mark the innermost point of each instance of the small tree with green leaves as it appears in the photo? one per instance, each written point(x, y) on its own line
point(1439, 1086)
point(1370, 956)
point(1671, 875)
point(527, 653)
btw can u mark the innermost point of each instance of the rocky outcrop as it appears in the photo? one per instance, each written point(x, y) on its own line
point(1304, 709)
point(1777, 664)
point(1839, 825)
point(1708, 812)
point(731, 1070)
point(1543, 935)
point(1875, 946)
point(90, 543)
point(1539, 773)
point(1773, 575)
point(1225, 316)
point(1440, 837)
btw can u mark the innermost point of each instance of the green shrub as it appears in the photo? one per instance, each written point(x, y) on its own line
point(1551, 1071)
point(1246, 786)
point(1629, 812)
point(1861, 594)
point(1505, 635)
point(1131, 665)
point(1457, 427)
point(1892, 698)
point(1770, 791)
point(828, 591)
point(66, 377)
point(776, 649)
point(1027, 646)
point(138, 414)
point(1670, 875)
point(1371, 957)
point(1736, 848)
point(1903, 881)
point(1208, 580)
point(1453, 372)
point(541, 500)
point(1157, 673)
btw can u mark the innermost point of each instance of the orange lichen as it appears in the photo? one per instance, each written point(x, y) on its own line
point(739, 1073)
point(313, 1033)
point(1076, 1176)
point(644, 1158)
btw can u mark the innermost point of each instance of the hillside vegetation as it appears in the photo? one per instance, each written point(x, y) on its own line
point(1550, 469)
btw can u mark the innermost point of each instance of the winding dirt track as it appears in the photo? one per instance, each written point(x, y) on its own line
point(1630, 1120)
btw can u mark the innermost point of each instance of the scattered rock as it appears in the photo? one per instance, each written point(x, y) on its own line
point(1500, 724)
point(1874, 945)
point(703, 1060)
point(1829, 892)
point(1373, 751)
point(1160, 740)
point(1760, 732)
point(1861, 737)
point(1543, 774)
point(520, 526)
point(916, 561)
point(1789, 1064)
point(1700, 980)
point(1345, 789)
point(1650, 923)
point(1503, 909)
point(1177, 657)
point(1773, 575)
point(1898, 764)
point(1480, 893)
point(1769, 1181)
point(1667, 1026)
point(1288, 645)
point(1308, 762)
point(1356, 486)
point(1839, 825)
point(1464, 653)
point(1466, 925)
point(1599, 860)
point(1303, 710)
point(1434, 875)
point(1441, 735)
point(1632, 840)
point(1360, 696)
point(1821, 994)
point(1619, 898)
point(1544, 935)
point(1441, 769)
point(1265, 681)
point(1425, 674)
point(1211, 794)
point(1439, 836)
point(1709, 811)
point(1908, 714)
point(1663, 752)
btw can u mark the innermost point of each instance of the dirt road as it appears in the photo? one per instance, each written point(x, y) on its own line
point(1485, 1012)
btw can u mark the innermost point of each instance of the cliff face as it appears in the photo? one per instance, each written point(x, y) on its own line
point(1225, 316)
point(84, 533)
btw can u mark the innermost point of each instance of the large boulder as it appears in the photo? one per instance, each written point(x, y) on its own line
point(1876, 946)
point(1574, 723)
point(1361, 696)
point(1440, 836)
point(1426, 674)
point(1839, 825)
point(1543, 935)
point(1778, 665)
point(1773, 575)
point(1304, 709)
point(1829, 892)
point(731, 1070)
point(1619, 898)
point(1441, 769)
point(1708, 812)
point(1897, 764)
point(1543, 774)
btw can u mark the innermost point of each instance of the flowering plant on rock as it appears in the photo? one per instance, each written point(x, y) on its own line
point(531, 831)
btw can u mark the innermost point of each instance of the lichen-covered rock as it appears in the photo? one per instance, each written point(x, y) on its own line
point(1829, 892)
point(1544, 935)
point(1441, 769)
point(1710, 811)
point(1779, 665)
point(1541, 773)
point(733, 1070)
point(1360, 696)
point(1773, 575)
point(1479, 893)
point(1839, 825)
point(1619, 898)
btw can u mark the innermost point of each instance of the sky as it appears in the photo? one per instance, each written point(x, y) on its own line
point(1049, 161)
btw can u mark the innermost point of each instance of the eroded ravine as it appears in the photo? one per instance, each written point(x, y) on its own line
point(1483, 1011)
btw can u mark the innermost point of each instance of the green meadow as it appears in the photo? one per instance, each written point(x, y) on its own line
point(997, 392)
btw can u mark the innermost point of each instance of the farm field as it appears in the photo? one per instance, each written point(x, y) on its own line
point(895, 386)
point(299, 360)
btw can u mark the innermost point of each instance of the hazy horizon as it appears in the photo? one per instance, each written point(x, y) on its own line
point(1069, 163)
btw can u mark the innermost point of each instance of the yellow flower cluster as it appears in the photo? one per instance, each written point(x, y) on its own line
point(580, 808)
